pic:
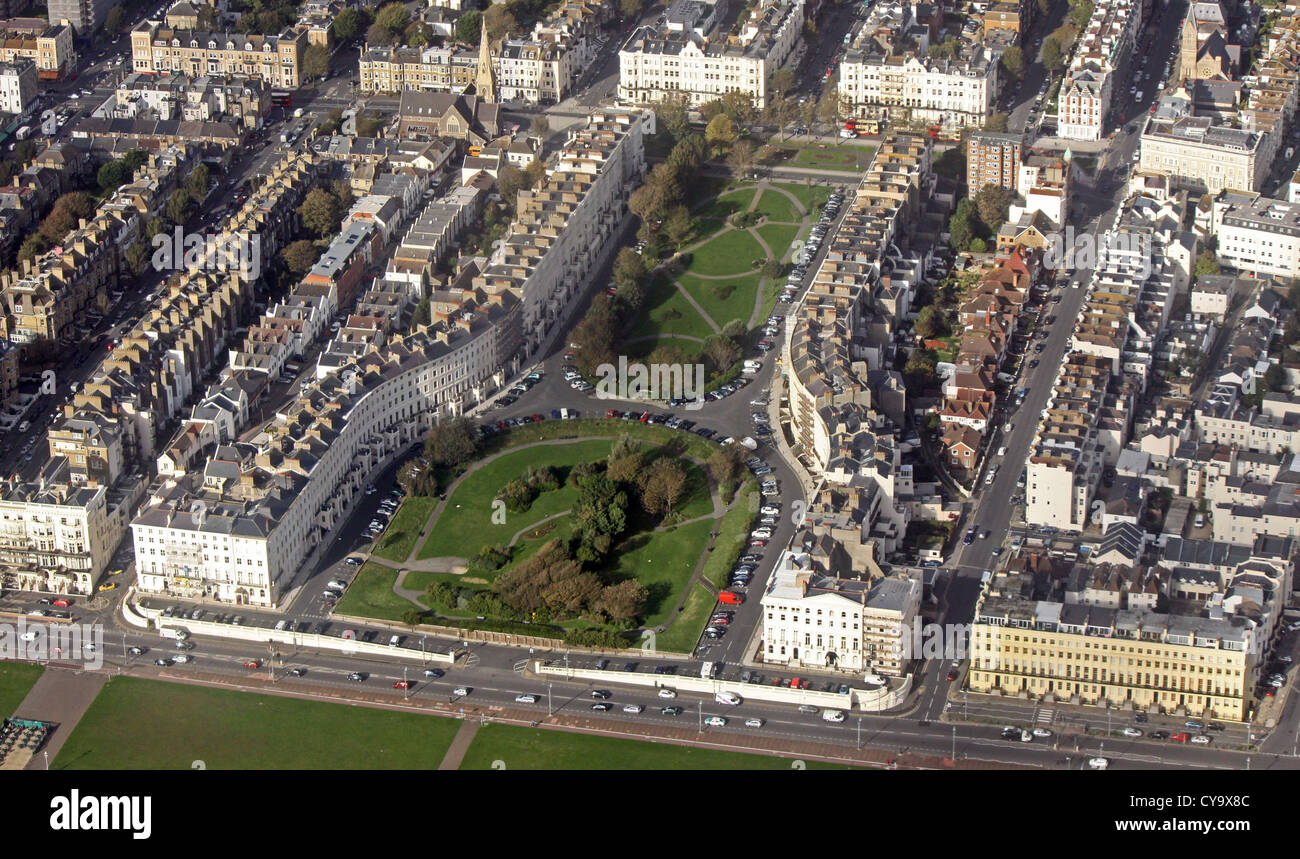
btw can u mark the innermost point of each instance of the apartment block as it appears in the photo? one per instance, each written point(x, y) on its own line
point(50, 47)
point(823, 622)
point(1101, 55)
point(165, 50)
point(908, 87)
point(17, 85)
point(57, 535)
point(564, 226)
point(688, 53)
point(270, 503)
point(993, 159)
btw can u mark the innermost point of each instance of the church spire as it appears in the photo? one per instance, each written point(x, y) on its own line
point(486, 83)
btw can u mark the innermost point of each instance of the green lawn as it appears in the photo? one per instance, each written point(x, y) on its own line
point(778, 207)
point(662, 562)
point(732, 252)
point(733, 534)
point(728, 204)
point(685, 631)
point(16, 680)
point(371, 594)
point(724, 300)
point(399, 537)
point(466, 525)
point(668, 312)
point(147, 724)
point(780, 238)
point(519, 748)
point(813, 197)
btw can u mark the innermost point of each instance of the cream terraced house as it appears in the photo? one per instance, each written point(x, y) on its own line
point(1198, 155)
point(57, 536)
point(1129, 659)
point(237, 529)
point(275, 59)
point(822, 622)
point(689, 54)
point(952, 93)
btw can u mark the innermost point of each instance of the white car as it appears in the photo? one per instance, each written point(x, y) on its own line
point(1132, 732)
point(667, 693)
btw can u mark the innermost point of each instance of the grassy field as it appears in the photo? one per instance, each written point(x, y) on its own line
point(728, 204)
point(147, 724)
point(399, 537)
point(16, 680)
point(685, 631)
point(778, 207)
point(668, 312)
point(724, 300)
point(530, 749)
point(371, 594)
point(780, 238)
point(733, 534)
point(813, 197)
point(732, 252)
point(663, 562)
point(466, 525)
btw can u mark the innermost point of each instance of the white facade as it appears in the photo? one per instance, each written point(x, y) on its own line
point(690, 56)
point(17, 85)
point(815, 621)
point(954, 94)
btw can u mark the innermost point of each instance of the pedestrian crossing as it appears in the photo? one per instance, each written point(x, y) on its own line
point(1044, 715)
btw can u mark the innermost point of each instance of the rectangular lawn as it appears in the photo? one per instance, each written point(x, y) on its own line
point(16, 680)
point(148, 724)
point(531, 749)
point(398, 539)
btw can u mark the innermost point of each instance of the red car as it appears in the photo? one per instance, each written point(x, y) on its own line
point(252, 663)
point(1180, 737)
point(402, 684)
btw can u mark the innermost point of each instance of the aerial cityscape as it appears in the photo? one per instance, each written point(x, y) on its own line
point(618, 384)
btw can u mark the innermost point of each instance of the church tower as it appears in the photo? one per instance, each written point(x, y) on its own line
point(485, 85)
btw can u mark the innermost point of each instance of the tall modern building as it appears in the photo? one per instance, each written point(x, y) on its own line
point(85, 16)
